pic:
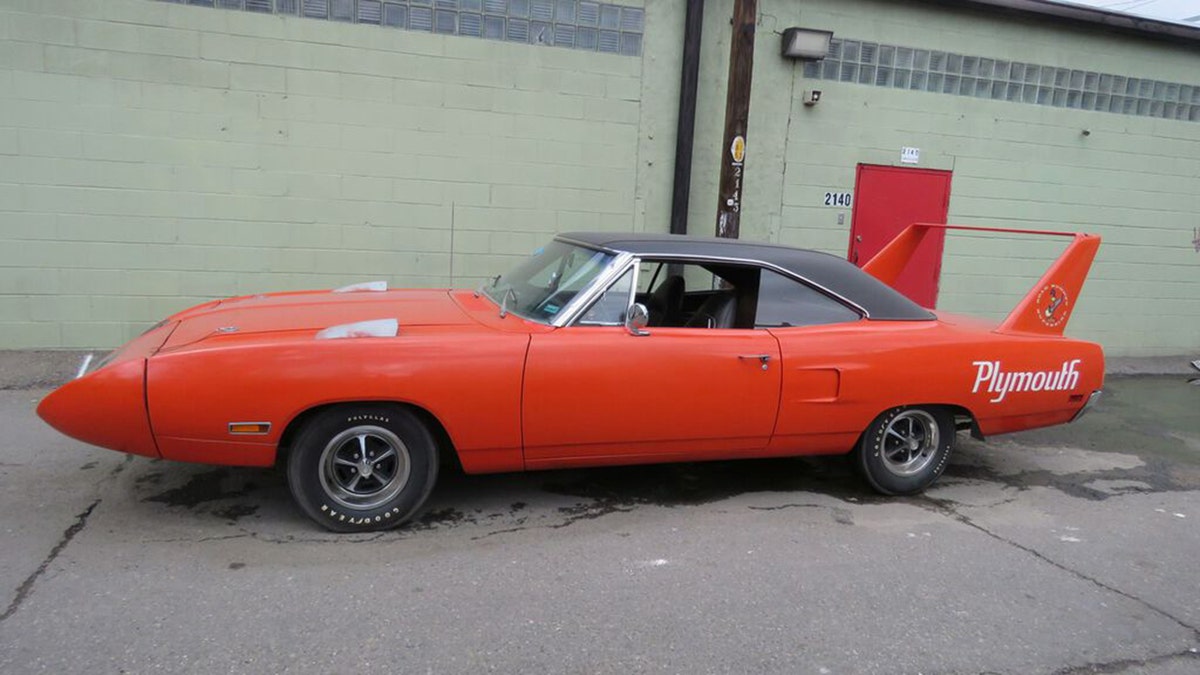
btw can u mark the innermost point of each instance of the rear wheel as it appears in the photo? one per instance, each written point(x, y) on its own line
point(359, 468)
point(905, 449)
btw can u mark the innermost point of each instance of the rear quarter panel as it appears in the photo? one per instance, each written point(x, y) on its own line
point(837, 379)
point(466, 376)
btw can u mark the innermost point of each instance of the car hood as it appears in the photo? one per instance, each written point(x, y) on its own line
point(312, 311)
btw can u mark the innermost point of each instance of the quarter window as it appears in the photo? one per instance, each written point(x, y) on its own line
point(784, 302)
point(610, 309)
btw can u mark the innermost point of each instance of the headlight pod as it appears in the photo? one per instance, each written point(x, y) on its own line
point(105, 408)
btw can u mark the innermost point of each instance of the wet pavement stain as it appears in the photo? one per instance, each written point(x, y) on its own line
point(201, 488)
point(438, 518)
point(450, 517)
point(235, 512)
point(1156, 474)
point(152, 478)
point(596, 509)
point(673, 485)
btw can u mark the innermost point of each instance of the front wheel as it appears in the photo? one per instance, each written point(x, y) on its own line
point(360, 468)
point(905, 449)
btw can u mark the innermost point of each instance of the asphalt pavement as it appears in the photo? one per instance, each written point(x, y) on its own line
point(1067, 550)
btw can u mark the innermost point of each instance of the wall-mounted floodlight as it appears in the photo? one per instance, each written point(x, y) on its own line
point(806, 44)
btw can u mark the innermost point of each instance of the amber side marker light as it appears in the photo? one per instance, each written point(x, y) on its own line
point(249, 428)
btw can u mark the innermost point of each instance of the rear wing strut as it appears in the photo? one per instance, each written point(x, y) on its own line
point(1047, 306)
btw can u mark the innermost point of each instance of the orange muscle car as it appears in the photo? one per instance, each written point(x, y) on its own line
point(599, 349)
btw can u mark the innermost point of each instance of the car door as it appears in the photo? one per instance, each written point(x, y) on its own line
point(596, 394)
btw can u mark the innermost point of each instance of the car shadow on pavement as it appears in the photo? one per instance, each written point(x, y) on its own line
point(244, 495)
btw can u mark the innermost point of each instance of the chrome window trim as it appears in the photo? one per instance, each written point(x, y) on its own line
point(582, 301)
point(584, 244)
point(633, 286)
point(763, 265)
point(628, 300)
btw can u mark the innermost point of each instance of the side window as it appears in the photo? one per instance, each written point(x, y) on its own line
point(699, 294)
point(786, 302)
point(650, 276)
point(610, 308)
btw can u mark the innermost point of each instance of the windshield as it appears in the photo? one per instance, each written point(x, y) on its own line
point(546, 282)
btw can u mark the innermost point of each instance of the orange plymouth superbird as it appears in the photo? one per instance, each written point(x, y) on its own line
point(599, 349)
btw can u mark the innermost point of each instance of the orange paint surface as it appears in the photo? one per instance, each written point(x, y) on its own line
point(513, 394)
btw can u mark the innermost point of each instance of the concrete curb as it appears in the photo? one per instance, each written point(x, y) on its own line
point(44, 369)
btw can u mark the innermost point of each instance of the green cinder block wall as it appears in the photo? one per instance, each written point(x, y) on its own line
point(154, 155)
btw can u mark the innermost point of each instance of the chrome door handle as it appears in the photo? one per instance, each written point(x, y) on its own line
point(761, 358)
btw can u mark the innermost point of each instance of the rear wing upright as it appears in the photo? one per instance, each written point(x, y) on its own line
point(1047, 306)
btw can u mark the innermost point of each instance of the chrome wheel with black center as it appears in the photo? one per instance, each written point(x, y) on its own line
point(362, 467)
point(910, 442)
point(906, 449)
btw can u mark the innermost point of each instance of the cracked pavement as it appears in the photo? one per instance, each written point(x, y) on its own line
point(1066, 550)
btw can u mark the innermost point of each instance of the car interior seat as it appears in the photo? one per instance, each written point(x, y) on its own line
point(666, 301)
point(718, 311)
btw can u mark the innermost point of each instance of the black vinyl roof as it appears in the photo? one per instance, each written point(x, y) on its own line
point(831, 273)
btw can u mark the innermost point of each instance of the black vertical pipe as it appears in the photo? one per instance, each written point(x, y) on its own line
point(693, 25)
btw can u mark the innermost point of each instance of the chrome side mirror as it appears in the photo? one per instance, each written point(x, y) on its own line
point(636, 319)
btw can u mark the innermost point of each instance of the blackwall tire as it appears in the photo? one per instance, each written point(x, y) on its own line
point(362, 468)
point(906, 449)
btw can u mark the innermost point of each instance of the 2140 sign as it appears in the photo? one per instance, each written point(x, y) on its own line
point(837, 199)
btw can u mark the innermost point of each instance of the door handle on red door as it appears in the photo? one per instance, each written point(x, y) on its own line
point(762, 358)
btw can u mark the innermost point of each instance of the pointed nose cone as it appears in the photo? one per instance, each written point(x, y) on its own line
point(106, 408)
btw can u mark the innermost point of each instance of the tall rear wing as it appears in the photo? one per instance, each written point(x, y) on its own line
point(1047, 306)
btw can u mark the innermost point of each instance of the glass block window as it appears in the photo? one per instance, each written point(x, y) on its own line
point(901, 67)
point(585, 25)
point(370, 11)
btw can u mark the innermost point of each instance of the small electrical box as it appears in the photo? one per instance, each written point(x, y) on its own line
point(812, 97)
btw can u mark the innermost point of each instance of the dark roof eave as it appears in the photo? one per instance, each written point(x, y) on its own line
point(1157, 28)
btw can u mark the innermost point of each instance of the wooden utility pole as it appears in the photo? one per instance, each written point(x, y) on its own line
point(737, 115)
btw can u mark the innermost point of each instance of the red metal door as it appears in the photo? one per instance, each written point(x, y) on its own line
point(886, 200)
